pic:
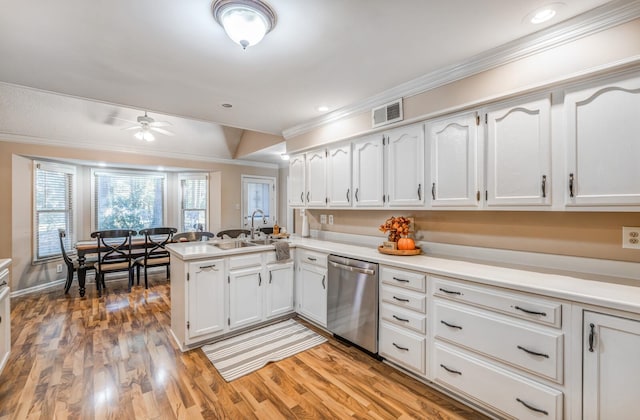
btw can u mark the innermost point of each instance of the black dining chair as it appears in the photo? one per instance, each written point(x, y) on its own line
point(72, 265)
point(191, 236)
point(233, 233)
point(155, 254)
point(114, 254)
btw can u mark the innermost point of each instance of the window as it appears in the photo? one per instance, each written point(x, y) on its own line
point(128, 200)
point(258, 193)
point(53, 202)
point(193, 202)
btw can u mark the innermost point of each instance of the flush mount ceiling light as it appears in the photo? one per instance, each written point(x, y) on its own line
point(246, 22)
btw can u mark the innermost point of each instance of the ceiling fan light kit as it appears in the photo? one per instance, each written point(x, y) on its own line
point(246, 22)
point(145, 125)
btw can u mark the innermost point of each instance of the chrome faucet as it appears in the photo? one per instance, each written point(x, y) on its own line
point(253, 215)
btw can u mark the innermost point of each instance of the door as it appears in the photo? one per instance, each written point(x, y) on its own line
point(368, 167)
point(258, 201)
point(405, 164)
point(603, 122)
point(205, 292)
point(296, 181)
point(339, 176)
point(313, 293)
point(245, 297)
point(279, 292)
point(519, 154)
point(454, 161)
point(611, 367)
point(316, 163)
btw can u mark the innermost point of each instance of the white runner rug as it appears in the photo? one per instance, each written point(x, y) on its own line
point(245, 353)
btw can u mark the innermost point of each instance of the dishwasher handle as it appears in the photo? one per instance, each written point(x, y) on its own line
point(366, 271)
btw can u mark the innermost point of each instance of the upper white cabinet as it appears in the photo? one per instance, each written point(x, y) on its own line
point(339, 189)
point(296, 181)
point(518, 154)
point(368, 175)
point(453, 144)
point(603, 149)
point(316, 175)
point(405, 166)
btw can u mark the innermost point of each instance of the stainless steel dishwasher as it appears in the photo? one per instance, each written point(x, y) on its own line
point(352, 301)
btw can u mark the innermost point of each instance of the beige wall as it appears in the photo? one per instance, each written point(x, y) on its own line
point(16, 198)
point(253, 141)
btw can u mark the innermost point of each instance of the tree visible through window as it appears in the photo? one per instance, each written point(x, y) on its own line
point(194, 197)
point(128, 200)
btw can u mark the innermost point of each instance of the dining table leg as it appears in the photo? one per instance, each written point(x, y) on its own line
point(82, 273)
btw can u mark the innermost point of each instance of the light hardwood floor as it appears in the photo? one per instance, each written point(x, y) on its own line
point(112, 357)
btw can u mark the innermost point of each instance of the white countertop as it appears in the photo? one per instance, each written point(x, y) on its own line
point(617, 293)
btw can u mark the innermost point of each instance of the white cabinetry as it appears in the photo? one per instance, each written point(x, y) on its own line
point(245, 297)
point(205, 299)
point(339, 176)
point(519, 154)
point(5, 318)
point(611, 367)
point(455, 161)
point(368, 172)
point(279, 292)
point(405, 166)
point(296, 181)
point(316, 177)
point(312, 285)
point(603, 122)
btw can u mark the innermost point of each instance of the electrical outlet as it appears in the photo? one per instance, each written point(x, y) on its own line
point(323, 219)
point(631, 237)
point(59, 268)
point(331, 219)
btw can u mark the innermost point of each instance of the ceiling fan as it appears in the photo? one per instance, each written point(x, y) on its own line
point(145, 125)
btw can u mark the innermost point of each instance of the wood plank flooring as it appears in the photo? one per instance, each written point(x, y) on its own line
point(113, 358)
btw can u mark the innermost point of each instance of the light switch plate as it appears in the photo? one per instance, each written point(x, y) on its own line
point(631, 237)
point(323, 219)
point(331, 219)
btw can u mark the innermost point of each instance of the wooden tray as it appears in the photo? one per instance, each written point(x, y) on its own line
point(387, 251)
point(281, 235)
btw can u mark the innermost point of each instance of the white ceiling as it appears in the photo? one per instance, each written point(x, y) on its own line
point(171, 58)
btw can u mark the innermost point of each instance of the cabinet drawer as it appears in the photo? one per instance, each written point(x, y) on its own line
point(406, 319)
point(530, 308)
point(403, 278)
point(528, 347)
point(512, 394)
point(403, 347)
point(404, 298)
point(242, 261)
point(312, 257)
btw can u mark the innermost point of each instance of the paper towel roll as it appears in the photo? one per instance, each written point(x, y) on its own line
point(305, 227)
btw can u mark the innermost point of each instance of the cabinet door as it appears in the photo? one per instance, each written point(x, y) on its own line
point(279, 292)
point(313, 293)
point(5, 326)
point(405, 164)
point(603, 147)
point(316, 163)
point(368, 177)
point(205, 291)
point(454, 161)
point(611, 377)
point(519, 154)
point(296, 181)
point(339, 176)
point(245, 297)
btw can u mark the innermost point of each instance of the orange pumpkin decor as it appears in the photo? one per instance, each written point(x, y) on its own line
point(406, 244)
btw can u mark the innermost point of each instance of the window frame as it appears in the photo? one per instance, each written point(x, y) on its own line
point(194, 176)
point(245, 220)
point(131, 172)
point(70, 211)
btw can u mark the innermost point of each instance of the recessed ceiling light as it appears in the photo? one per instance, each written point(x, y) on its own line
point(323, 108)
point(227, 105)
point(543, 14)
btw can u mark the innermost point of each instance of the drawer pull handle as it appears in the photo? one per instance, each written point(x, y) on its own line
point(400, 299)
point(323, 285)
point(400, 319)
point(311, 259)
point(451, 325)
point(400, 347)
point(527, 311)
point(535, 353)
point(451, 292)
point(259, 279)
point(591, 336)
point(532, 408)
point(457, 372)
point(402, 280)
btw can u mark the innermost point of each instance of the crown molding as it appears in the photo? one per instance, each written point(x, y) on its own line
point(596, 20)
point(24, 139)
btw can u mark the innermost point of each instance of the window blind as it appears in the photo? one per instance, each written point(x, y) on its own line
point(194, 199)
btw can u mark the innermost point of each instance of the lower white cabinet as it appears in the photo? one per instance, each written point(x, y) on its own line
point(313, 292)
point(279, 290)
point(403, 347)
point(5, 320)
point(245, 297)
point(205, 299)
point(611, 367)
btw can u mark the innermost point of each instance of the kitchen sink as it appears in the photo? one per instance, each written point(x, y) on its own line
point(266, 241)
point(234, 244)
